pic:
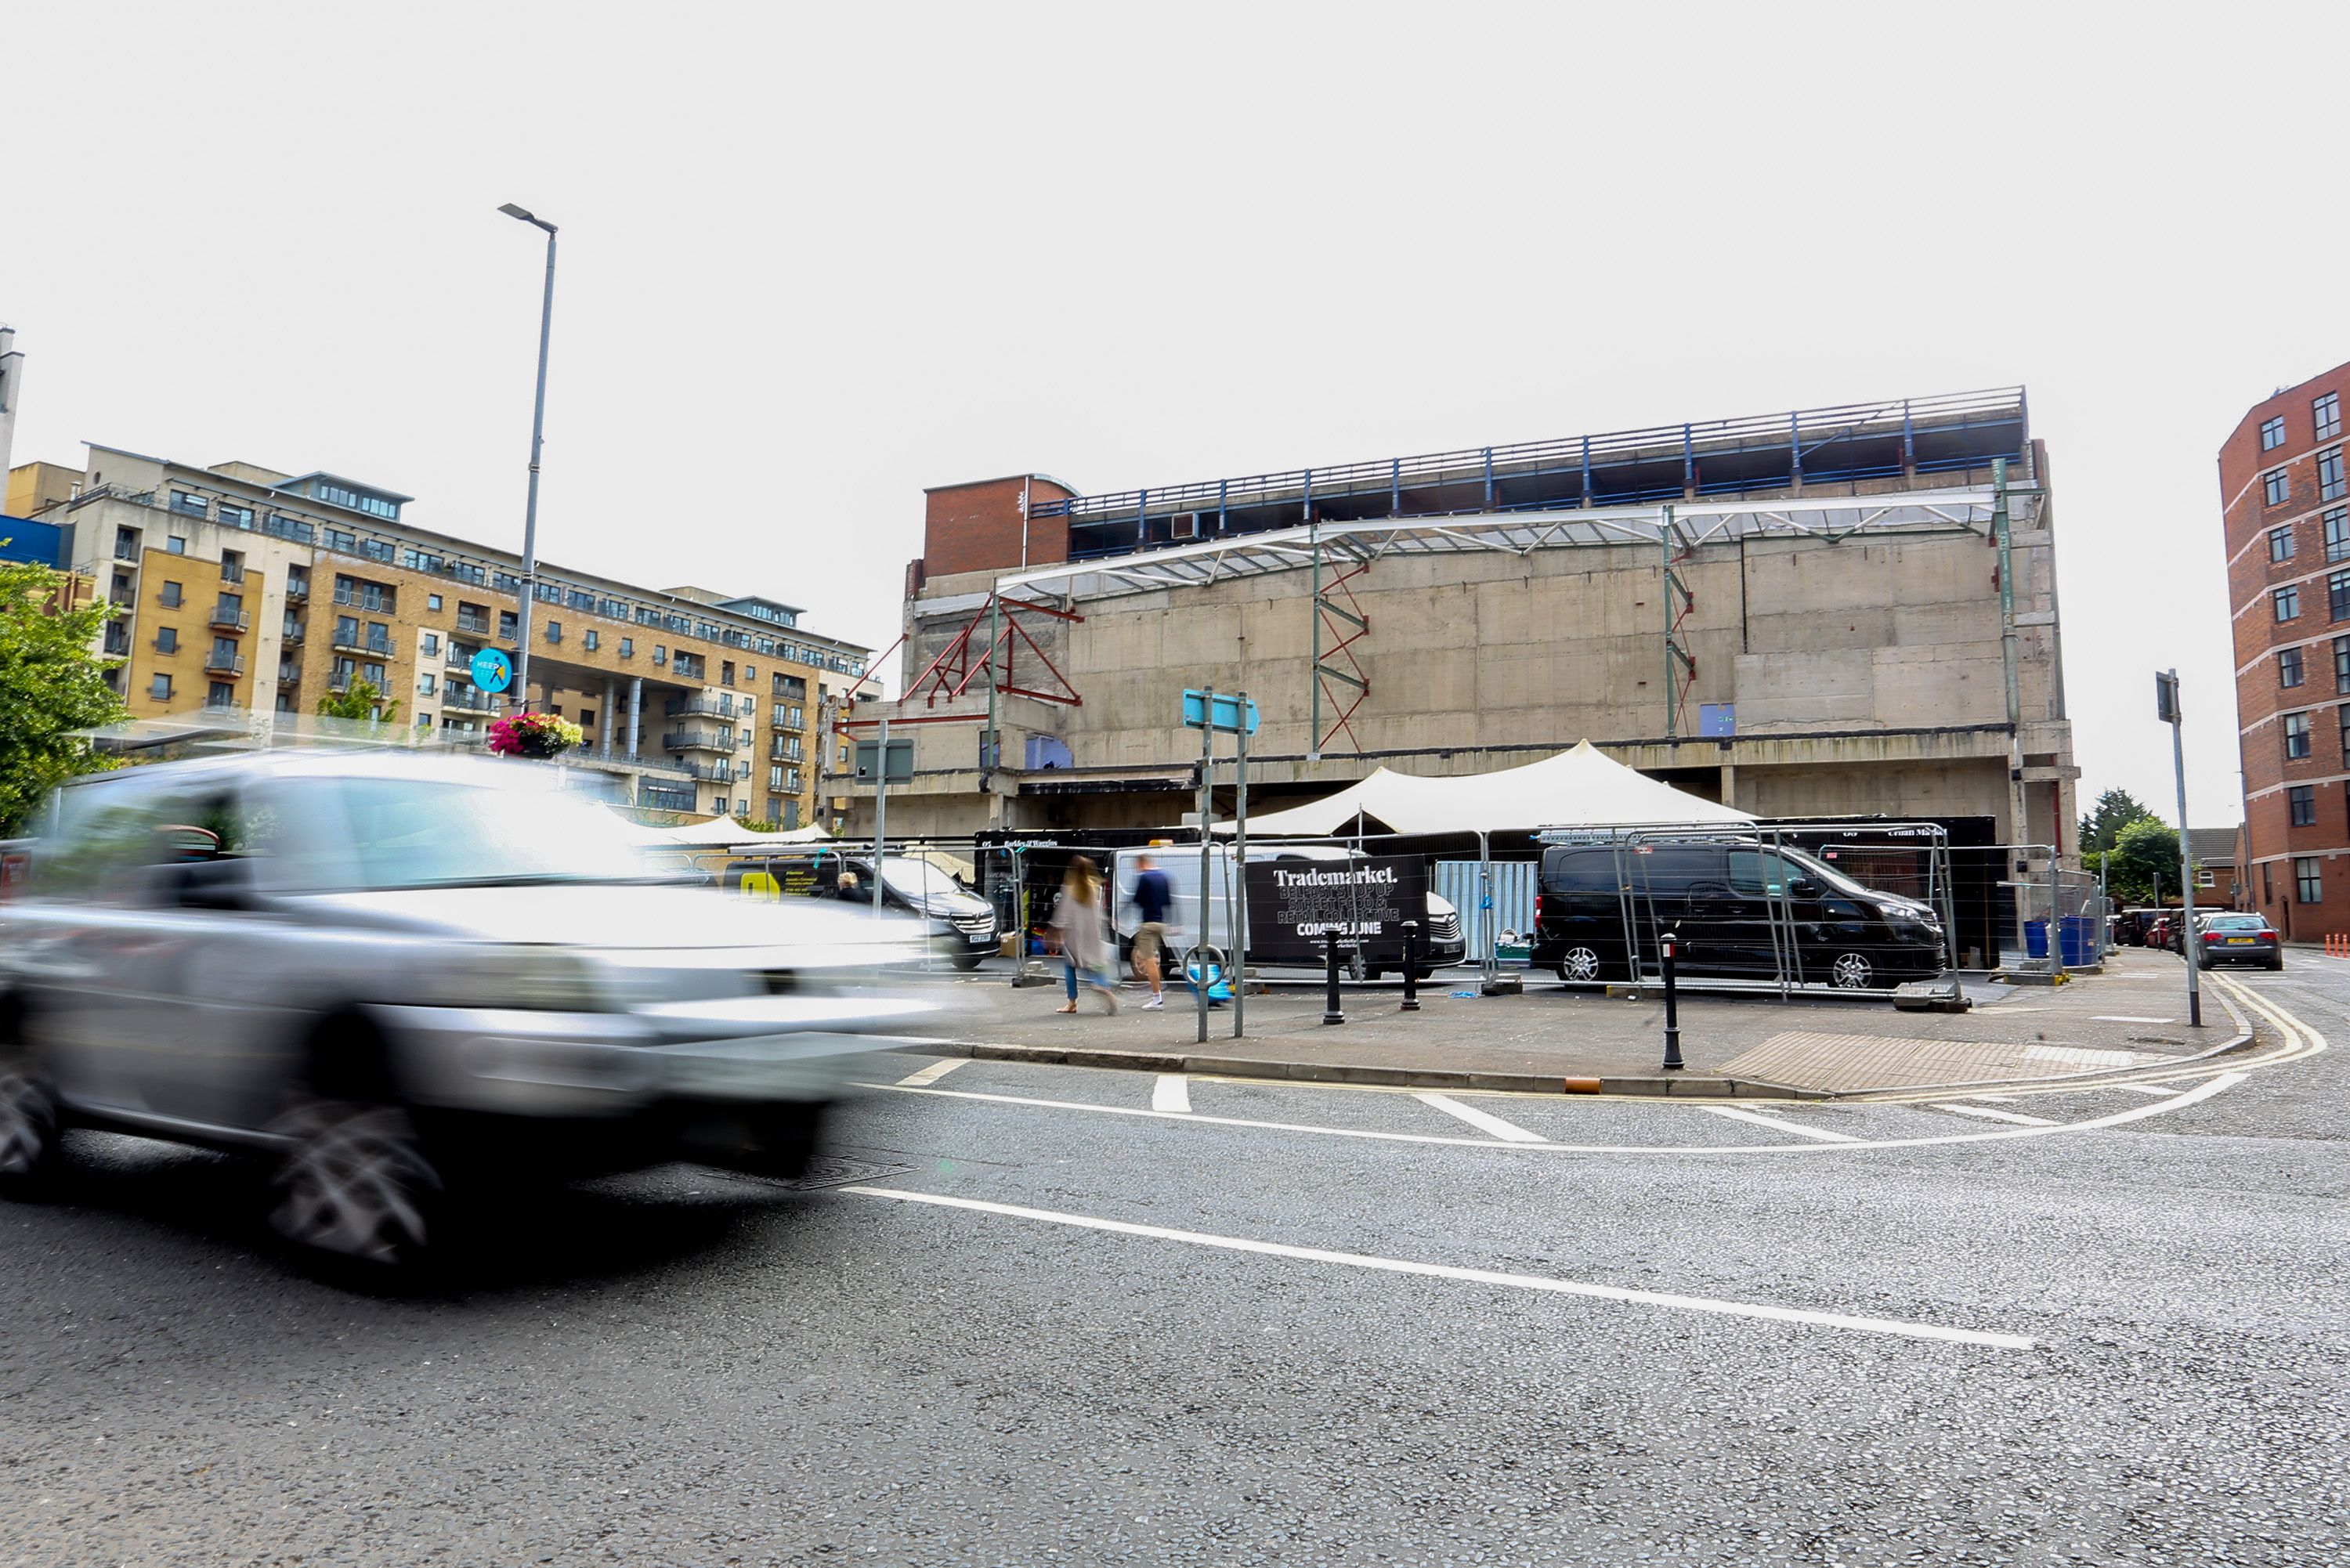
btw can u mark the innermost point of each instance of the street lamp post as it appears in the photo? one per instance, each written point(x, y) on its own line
point(537, 434)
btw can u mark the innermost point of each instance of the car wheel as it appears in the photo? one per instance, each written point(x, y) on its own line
point(1421, 976)
point(2276, 964)
point(1851, 972)
point(28, 1127)
point(969, 961)
point(1579, 966)
point(355, 1186)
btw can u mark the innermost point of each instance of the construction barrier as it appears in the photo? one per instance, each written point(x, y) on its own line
point(2337, 945)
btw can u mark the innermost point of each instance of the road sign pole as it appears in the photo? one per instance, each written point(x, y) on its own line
point(1238, 969)
point(1207, 844)
point(881, 813)
point(2188, 948)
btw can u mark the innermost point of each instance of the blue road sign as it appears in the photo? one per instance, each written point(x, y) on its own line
point(1228, 716)
point(492, 670)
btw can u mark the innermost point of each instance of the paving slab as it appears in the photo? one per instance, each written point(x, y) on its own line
point(1555, 1039)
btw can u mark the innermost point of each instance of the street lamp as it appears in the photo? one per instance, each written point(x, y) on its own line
point(537, 431)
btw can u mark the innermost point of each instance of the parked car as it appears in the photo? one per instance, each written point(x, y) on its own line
point(399, 976)
point(1441, 945)
point(2237, 939)
point(960, 924)
point(1741, 910)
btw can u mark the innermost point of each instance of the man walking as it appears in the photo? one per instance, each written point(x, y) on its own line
point(1151, 896)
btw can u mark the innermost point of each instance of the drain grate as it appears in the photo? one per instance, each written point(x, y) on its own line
point(836, 1171)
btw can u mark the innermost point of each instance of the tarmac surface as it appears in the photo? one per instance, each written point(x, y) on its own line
point(1061, 1315)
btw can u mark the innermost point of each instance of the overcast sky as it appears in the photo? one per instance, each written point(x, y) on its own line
point(816, 259)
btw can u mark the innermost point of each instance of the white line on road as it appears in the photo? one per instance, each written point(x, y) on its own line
point(1171, 1093)
point(2217, 1083)
point(1759, 1119)
point(2125, 1018)
point(2157, 1090)
point(1508, 1131)
point(1471, 1276)
point(931, 1074)
point(2018, 1117)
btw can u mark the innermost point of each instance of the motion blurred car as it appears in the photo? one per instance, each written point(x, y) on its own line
point(399, 976)
point(960, 924)
point(2237, 939)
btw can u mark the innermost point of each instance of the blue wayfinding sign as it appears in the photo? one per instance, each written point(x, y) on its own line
point(492, 670)
point(1229, 714)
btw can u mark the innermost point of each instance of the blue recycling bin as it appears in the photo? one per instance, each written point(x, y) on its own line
point(2036, 939)
point(2076, 939)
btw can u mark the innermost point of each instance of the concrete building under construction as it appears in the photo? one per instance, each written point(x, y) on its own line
point(1827, 612)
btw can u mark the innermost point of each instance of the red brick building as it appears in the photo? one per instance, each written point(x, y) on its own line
point(2285, 498)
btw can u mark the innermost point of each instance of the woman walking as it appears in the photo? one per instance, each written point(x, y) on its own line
point(1077, 921)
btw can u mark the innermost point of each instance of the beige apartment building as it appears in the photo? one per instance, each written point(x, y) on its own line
point(241, 590)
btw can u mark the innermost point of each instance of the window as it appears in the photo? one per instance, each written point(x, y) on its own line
point(591, 639)
point(2281, 544)
point(373, 675)
point(220, 694)
point(2268, 889)
point(2273, 433)
point(2303, 800)
point(172, 596)
point(175, 546)
point(2308, 882)
point(790, 814)
point(183, 501)
point(776, 776)
point(2273, 490)
point(2288, 603)
point(726, 672)
point(555, 630)
point(224, 654)
point(159, 688)
point(2337, 534)
point(750, 675)
point(509, 625)
point(232, 567)
point(432, 603)
point(719, 806)
point(2326, 413)
point(2289, 667)
point(432, 644)
point(2296, 735)
point(774, 810)
point(126, 543)
point(425, 685)
point(2337, 596)
point(2342, 665)
point(364, 595)
point(236, 516)
point(586, 717)
point(660, 654)
point(628, 647)
point(2204, 878)
point(2331, 486)
point(167, 639)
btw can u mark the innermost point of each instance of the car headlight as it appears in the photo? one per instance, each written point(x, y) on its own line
point(540, 978)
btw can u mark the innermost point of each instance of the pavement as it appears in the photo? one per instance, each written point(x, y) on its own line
point(1552, 1038)
point(1063, 1315)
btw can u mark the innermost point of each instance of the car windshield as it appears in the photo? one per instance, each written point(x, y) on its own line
point(388, 834)
point(917, 881)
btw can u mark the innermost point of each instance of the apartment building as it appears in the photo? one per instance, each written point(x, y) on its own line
point(2284, 497)
point(239, 587)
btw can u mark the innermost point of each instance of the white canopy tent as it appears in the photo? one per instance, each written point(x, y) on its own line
point(726, 833)
point(1578, 788)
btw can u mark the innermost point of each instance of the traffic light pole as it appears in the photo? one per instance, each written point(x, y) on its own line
point(2166, 698)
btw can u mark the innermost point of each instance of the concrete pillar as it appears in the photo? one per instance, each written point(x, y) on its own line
point(636, 713)
point(606, 718)
point(1730, 784)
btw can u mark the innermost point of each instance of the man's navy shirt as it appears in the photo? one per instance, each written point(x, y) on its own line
point(1151, 897)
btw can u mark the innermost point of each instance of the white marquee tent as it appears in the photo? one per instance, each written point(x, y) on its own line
point(1578, 788)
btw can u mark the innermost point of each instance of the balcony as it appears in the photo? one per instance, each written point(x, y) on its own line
point(699, 707)
point(780, 753)
point(291, 634)
point(362, 642)
point(118, 641)
point(126, 549)
point(220, 663)
point(472, 624)
point(289, 675)
point(467, 700)
point(232, 575)
point(341, 681)
point(700, 740)
point(375, 604)
point(297, 587)
point(226, 618)
point(708, 772)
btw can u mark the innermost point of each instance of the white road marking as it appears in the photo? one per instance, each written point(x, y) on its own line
point(2088, 1055)
point(2125, 1018)
point(931, 1074)
point(1172, 1093)
point(2018, 1117)
point(1471, 1276)
point(2218, 1083)
point(1508, 1131)
point(1759, 1119)
point(2157, 1090)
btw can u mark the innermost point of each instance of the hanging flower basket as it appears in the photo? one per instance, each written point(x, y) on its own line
point(534, 735)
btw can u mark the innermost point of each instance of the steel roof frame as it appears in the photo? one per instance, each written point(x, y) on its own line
point(1683, 524)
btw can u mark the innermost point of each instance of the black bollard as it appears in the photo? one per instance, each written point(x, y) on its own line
point(1331, 1011)
point(1410, 967)
point(1673, 1062)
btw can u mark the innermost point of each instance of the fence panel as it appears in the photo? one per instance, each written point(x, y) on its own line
point(1515, 882)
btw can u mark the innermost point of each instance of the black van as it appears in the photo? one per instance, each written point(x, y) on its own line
point(1739, 909)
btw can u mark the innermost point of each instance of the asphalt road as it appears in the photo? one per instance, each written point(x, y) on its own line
point(1328, 1325)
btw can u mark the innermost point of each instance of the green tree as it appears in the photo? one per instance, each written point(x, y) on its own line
point(2143, 852)
point(50, 686)
point(363, 702)
point(2115, 809)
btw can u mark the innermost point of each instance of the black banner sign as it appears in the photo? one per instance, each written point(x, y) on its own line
point(1296, 906)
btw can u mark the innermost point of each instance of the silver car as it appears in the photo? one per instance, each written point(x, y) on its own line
point(399, 974)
